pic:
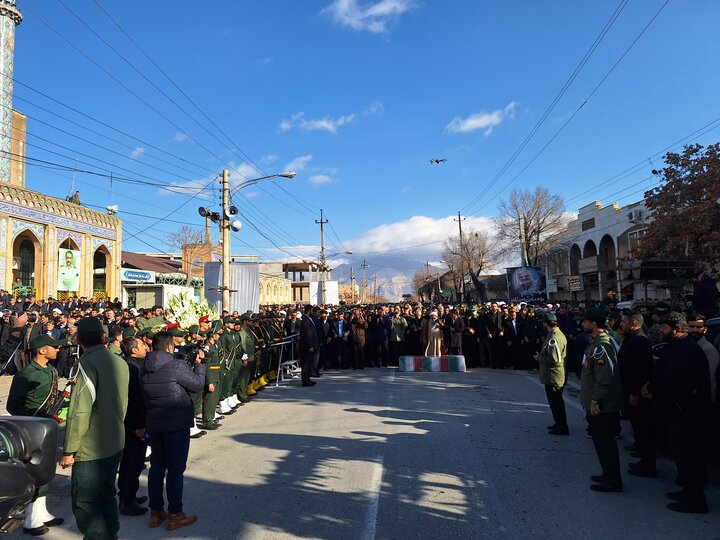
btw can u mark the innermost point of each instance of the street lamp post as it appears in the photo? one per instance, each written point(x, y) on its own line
point(226, 225)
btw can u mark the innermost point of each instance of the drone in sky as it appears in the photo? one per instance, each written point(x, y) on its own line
point(438, 161)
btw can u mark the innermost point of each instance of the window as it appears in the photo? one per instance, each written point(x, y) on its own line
point(588, 224)
point(634, 241)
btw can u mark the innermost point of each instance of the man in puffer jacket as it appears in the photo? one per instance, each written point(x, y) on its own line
point(166, 386)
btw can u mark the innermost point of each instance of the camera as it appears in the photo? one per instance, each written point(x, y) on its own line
point(32, 317)
point(28, 449)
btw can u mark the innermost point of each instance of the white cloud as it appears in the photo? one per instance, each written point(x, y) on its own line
point(320, 179)
point(483, 120)
point(265, 61)
point(202, 188)
point(405, 189)
point(421, 234)
point(137, 152)
point(328, 124)
point(270, 158)
point(374, 17)
point(299, 163)
point(180, 137)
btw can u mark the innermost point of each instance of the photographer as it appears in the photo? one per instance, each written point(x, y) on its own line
point(33, 393)
point(12, 348)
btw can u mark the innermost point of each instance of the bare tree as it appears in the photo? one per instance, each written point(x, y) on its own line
point(420, 282)
point(532, 221)
point(191, 242)
point(478, 254)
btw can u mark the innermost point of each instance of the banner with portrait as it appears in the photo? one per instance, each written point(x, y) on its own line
point(69, 266)
point(526, 283)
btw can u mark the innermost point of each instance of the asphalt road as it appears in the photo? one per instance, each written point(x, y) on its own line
point(388, 455)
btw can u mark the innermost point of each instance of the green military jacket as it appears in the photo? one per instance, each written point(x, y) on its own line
point(33, 390)
point(98, 403)
point(552, 359)
point(214, 365)
point(601, 375)
point(227, 349)
point(247, 340)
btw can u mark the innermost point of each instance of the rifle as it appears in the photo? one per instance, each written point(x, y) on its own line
point(62, 397)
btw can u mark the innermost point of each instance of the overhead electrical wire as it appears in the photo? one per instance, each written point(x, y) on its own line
point(588, 54)
point(579, 108)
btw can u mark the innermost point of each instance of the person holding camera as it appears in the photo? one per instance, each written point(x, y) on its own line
point(167, 383)
point(33, 392)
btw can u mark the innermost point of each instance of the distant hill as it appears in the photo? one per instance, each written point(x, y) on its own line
point(394, 274)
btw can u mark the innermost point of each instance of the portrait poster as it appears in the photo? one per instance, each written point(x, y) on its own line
point(526, 283)
point(68, 270)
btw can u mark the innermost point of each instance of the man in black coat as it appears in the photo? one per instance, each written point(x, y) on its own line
point(457, 328)
point(681, 386)
point(309, 346)
point(636, 363)
point(166, 384)
point(134, 351)
point(512, 338)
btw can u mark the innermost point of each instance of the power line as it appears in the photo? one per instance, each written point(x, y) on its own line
point(555, 101)
point(565, 124)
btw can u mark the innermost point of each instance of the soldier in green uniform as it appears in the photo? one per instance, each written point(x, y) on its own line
point(95, 433)
point(227, 349)
point(601, 397)
point(192, 345)
point(211, 392)
point(33, 392)
point(241, 370)
point(247, 341)
point(552, 373)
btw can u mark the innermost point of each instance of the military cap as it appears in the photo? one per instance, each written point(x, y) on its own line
point(43, 340)
point(228, 319)
point(175, 330)
point(550, 317)
point(244, 317)
point(204, 319)
point(194, 329)
point(614, 316)
point(595, 315)
point(89, 325)
point(203, 332)
point(146, 332)
point(216, 326)
point(130, 332)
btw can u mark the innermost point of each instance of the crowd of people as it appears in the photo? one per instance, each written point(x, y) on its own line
point(139, 384)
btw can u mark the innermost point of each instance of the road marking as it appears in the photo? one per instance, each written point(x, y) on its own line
point(370, 525)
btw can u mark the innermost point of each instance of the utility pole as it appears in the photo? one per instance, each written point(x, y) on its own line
point(352, 285)
point(375, 289)
point(363, 298)
point(225, 238)
point(322, 256)
point(524, 255)
point(459, 220)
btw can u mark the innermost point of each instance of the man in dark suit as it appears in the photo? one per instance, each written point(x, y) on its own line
point(512, 338)
point(495, 326)
point(457, 329)
point(309, 345)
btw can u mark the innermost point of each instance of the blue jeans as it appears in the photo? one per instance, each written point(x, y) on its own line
point(169, 457)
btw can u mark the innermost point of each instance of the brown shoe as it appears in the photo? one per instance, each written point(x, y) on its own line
point(156, 518)
point(175, 521)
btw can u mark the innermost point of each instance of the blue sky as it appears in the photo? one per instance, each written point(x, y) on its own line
point(357, 96)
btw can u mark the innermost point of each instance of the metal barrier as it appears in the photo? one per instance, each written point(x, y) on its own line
point(287, 364)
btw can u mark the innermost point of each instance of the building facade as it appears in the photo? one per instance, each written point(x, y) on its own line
point(598, 257)
point(48, 246)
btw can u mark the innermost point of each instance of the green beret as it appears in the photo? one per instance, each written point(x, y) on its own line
point(596, 315)
point(228, 319)
point(43, 340)
point(194, 329)
point(89, 325)
point(550, 317)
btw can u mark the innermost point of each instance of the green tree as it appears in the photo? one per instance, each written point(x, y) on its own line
point(686, 208)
